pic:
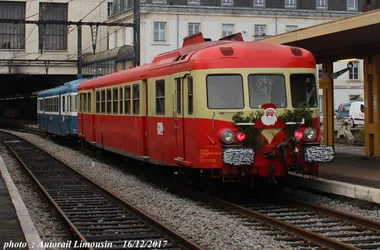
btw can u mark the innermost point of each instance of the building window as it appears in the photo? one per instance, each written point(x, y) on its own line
point(159, 1)
point(194, 28)
point(12, 36)
point(354, 71)
point(290, 3)
point(159, 31)
point(352, 5)
point(227, 29)
point(226, 2)
point(258, 3)
point(321, 4)
point(53, 36)
point(290, 27)
point(136, 99)
point(259, 31)
point(160, 97)
point(193, 2)
point(109, 10)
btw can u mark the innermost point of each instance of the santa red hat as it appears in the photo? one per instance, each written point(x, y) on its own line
point(268, 105)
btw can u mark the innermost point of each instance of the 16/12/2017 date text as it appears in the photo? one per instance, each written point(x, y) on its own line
point(145, 243)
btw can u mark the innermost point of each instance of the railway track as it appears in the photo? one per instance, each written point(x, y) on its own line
point(97, 218)
point(319, 226)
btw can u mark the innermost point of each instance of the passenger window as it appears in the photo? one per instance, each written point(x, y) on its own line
point(127, 101)
point(89, 102)
point(121, 99)
point(103, 103)
point(75, 103)
point(115, 101)
point(160, 97)
point(136, 99)
point(69, 107)
point(84, 103)
point(63, 103)
point(109, 103)
point(225, 92)
point(98, 101)
point(190, 95)
point(179, 95)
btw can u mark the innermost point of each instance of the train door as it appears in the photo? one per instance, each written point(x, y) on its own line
point(80, 113)
point(145, 123)
point(178, 117)
point(63, 120)
point(91, 110)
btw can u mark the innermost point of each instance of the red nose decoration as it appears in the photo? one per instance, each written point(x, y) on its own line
point(240, 136)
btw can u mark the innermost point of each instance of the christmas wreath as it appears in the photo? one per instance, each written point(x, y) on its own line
point(254, 139)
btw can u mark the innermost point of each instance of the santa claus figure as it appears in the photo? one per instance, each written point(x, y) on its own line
point(269, 119)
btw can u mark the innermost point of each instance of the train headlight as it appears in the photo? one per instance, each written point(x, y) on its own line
point(228, 136)
point(310, 134)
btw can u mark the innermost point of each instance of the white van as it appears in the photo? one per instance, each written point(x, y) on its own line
point(356, 114)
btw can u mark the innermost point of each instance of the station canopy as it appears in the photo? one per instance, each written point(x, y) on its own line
point(346, 38)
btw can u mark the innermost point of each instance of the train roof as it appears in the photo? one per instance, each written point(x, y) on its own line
point(198, 53)
point(68, 87)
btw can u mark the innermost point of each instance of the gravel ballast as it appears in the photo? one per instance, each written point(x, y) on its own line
point(208, 228)
point(45, 218)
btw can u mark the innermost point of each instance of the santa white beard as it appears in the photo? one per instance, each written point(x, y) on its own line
point(269, 120)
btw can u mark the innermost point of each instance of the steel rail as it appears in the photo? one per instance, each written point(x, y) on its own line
point(356, 220)
point(284, 226)
point(155, 224)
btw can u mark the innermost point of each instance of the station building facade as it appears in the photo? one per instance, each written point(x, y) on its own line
point(30, 49)
point(164, 24)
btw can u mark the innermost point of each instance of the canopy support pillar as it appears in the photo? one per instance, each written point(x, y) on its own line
point(327, 85)
point(372, 105)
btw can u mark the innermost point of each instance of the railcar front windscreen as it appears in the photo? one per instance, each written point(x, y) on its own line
point(303, 90)
point(225, 92)
point(267, 89)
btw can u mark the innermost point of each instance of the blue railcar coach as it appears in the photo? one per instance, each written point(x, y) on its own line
point(57, 109)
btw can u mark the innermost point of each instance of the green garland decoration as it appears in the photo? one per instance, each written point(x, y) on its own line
point(253, 138)
point(254, 141)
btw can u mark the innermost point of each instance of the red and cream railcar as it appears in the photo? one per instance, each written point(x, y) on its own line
point(178, 110)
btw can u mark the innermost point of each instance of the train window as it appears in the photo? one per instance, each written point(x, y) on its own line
point(103, 101)
point(85, 103)
point(109, 101)
point(267, 89)
point(160, 97)
point(75, 103)
point(127, 101)
point(98, 101)
point(190, 95)
point(56, 104)
point(121, 99)
point(69, 108)
point(89, 102)
point(225, 92)
point(63, 103)
point(115, 101)
point(179, 95)
point(303, 90)
point(136, 99)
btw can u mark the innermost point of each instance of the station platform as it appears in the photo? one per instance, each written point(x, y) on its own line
point(17, 230)
point(350, 174)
